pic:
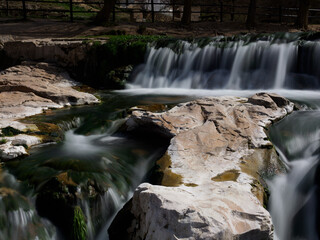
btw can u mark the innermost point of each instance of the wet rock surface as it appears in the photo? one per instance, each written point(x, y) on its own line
point(212, 174)
point(29, 89)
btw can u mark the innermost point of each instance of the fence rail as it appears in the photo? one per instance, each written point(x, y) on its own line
point(214, 11)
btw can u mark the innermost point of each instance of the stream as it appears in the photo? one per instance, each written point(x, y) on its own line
point(104, 165)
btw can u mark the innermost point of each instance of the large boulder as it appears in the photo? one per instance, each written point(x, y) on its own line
point(212, 184)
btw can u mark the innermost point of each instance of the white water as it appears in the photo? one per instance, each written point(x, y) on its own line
point(240, 69)
point(236, 66)
point(237, 69)
point(294, 198)
point(18, 218)
point(97, 149)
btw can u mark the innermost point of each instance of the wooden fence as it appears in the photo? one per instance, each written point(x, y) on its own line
point(218, 11)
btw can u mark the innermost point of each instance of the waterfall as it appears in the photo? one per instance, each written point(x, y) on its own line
point(263, 64)
point(295, 196)
point(288, 66)
point(101, 159)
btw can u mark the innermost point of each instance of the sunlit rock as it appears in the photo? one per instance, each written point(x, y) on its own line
point(9, 151)
point(212, 173)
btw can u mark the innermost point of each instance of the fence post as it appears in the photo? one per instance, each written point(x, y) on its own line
point(7, 8)
point(232, 11)
point(114, 13)
point(152, 10)
point(280, 13)
point(173, 11)
point(71, 11)
point(221, 11)
point(24, 9)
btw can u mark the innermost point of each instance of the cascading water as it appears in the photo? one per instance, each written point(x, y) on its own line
point(295, 196)
point(283, 65)
point(102, 168)
point(264, 64)
point(107, 165)
point(18, 217)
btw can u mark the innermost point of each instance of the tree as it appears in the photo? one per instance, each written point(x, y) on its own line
point(251, 18)
point(186, 17)
point(303, 14)
point(104, 14)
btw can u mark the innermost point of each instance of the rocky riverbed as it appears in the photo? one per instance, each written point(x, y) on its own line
point(29, 89)
point(210, 184)
point(212, 174)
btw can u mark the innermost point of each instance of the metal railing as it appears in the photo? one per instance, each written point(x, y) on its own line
point(217, 11)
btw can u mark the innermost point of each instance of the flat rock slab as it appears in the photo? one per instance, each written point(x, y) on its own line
point(29, 89)
point(213, 171)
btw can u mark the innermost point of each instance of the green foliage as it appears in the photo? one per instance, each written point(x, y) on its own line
point(118, 51)
point(10, 131)
point(3, 141)
point(79, 230)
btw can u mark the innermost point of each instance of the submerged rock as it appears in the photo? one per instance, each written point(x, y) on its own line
point(212, 174)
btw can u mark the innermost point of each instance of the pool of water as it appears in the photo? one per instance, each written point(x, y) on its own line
point(105, 165)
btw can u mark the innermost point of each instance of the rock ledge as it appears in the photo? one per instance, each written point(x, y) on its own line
point(29, 89)
point(213, 171)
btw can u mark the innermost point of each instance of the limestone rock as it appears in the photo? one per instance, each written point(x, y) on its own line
point(8, 151)
point(65, 52)
point(213, 170)
point(23, 140)
point(29, 89)
point(15, 146)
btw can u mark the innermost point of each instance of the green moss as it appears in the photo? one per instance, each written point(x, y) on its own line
point(49, 132)
point(10, 131)
point(191, 185)
point(230, 175)
point(260, 192)
point(79, 228)
point(169, 178)
point(3, 141)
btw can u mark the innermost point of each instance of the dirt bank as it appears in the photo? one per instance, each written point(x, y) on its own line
point(40, 28)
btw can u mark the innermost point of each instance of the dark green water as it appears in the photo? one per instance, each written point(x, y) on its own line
point(104, 167)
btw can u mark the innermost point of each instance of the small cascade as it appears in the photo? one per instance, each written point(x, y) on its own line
point(18, 217)
point(96, 167)
point(97, 172)
point(295, 196)
point(70, 124)
point(263, 64)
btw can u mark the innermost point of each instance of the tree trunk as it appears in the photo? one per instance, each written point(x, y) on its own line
point(186, 17)
point(104, 14)
point(303, 14)
point(251, 18)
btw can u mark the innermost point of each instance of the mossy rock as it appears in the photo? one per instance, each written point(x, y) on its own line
point(10, 131)
point(49, 132)
point(79, 227)
point(163, 175)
